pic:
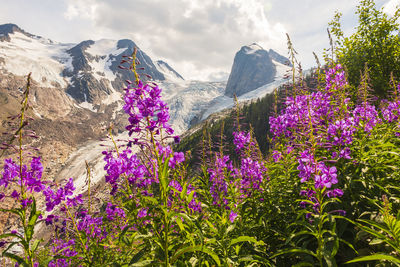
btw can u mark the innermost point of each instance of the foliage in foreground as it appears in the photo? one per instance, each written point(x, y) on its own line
point(327, 194)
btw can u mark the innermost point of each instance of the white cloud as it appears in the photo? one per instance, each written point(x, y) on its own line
point(390, 7)
point(81, 9)
point(206, 33)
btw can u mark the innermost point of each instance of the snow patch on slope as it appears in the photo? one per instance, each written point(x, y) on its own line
point(101, 51)
point(88, 106)
point(169, 74)
point(44, 58)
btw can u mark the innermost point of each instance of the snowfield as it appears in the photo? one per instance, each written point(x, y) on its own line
point(44, 58)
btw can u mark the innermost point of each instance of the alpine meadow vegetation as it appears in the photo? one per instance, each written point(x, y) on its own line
point(325, 192)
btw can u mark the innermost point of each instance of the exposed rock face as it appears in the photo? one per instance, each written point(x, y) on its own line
point(7, 29)
point(89, 84)
point(252, 67)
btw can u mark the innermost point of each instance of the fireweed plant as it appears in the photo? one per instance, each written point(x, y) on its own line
point(333, 138)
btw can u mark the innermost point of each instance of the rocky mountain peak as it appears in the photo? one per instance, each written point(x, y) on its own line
point(10, 28)
point(253, 48)
point(126, 43)
point(252, 67)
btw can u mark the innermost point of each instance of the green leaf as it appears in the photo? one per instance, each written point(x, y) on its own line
point(35, 245)
point(10, 235)
point(10, 246)
point(31, 224)
point(348, 244)
point(143, 263)
point(33, 210)
point(376, 257)
point(122, 234)
point(294, 250)
point(180, 224)
point(243, 239)
point(138, 255)
point(48, 260)
point(200, 248)
point(375, 224)
point(164, 175)
point(300, 233)
point(184, 190)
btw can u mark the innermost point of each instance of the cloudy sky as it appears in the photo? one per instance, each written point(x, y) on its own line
point(198, 38)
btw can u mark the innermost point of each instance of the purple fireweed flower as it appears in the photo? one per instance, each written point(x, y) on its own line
point(75, 201)
point(26, 202)
point(177, 139)
point(306, 165)
point(391, 112)
point(114, 212)
point(176, 185)
point(326, 176)
point(31, 178)
point(49, 219)
point(366, 116)
point(127, 164)
point(219, 187)
point(276, 155)
point(289, 150)
point(142, 212)
point(146, 110)
point(92, 227)
point(252, 173)
point(55, 198)
point(335, 78)
point(194, 204)
point(10, 171)
point(345, 153)
point(240, 139)
point(334, 193)
point(15, 194)
point(309, 194)
point(300, 111)
point(164, 151)
point(232, 216)
point(341, 132)
point(176, 159)
point(65, 249)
